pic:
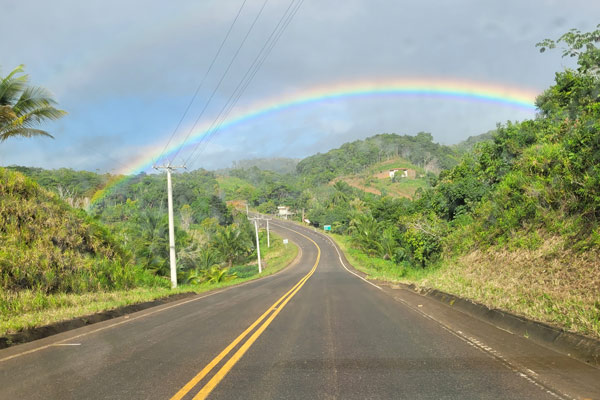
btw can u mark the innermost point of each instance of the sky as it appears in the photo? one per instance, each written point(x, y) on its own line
point(125, 71)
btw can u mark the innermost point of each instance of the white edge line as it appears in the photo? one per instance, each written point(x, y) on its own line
point(339, 256)
point(460, 335)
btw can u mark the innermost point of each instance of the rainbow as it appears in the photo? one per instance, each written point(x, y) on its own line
point(453, 90)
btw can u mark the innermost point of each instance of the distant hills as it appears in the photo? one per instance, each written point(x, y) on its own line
point(280, 165)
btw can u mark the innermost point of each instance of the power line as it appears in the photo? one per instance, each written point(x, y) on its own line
point(245, 81)
point(262, 55)
point(212, 133)
point(221, 80)
point(203, 79)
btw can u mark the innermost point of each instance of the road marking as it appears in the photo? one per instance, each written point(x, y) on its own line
point(346, 268)
point(525, 373)
point(473, 342)
point(67, 344)
point(128, 318)
point(274, 310)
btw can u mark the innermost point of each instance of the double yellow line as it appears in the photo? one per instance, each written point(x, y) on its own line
point(270, 315)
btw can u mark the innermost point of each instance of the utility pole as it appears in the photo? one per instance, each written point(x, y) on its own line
point(268, 234)
point(169, 168)
point(255, 219)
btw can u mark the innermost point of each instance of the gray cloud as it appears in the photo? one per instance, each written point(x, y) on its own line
point(125, 70)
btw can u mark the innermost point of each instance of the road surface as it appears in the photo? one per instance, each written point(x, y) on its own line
point(313, 331)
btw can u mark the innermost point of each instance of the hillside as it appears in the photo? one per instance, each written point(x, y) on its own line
point(354, 157)
point(376, 179)
point(469, 143)
point(280, 165)
point(514, 225)
point(49, 247)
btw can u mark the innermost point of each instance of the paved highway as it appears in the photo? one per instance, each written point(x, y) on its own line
point(312, 331)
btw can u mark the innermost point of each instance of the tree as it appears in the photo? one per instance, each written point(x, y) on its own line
point(232, 244)
point(22, 107)
point(580, 45)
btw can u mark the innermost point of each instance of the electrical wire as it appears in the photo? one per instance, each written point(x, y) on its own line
point(220, 80)
point(187, 109)
point(212, 131)
point(259, 60)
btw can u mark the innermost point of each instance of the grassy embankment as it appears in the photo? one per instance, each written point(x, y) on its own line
point(28, 309)
point(547, 284)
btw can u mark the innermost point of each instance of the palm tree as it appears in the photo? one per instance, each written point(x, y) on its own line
point(22, 107)
point(365, 231)
point(232, 244)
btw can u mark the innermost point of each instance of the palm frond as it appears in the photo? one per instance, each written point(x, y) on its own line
point(23, 107)
point(6, 115)
point(22, 131)
point(38, 115)
point(33, 97)
point(12, 85)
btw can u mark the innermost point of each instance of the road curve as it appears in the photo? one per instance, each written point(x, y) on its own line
point(312, 331)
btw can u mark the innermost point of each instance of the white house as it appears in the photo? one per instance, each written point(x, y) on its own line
point(403, 173)
point(284, 211)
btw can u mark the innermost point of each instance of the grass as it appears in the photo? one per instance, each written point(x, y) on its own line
point(377, 268)
point(368, 182)
point(550, 284)
point(403, 187)
point(29, 309)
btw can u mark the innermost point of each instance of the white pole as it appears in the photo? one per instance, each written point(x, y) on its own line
point(246, 209)
point(268, 236)
point(171, 231)
point(257, 245)
point(169, 168)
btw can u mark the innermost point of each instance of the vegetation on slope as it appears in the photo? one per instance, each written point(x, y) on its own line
point(354, 157)
point(375, 179)
point(49, 247)
point(27, 308)
point(515, 224)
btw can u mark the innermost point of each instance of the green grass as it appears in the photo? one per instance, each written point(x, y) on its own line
point(405, 187)
point(555, 287)
point(28, 309)
point(377, 268)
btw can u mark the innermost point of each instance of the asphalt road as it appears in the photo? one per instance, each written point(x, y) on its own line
point(312, 331)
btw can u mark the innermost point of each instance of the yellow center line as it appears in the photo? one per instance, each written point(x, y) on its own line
point(274, 310)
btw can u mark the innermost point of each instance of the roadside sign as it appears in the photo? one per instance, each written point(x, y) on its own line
point(285, 241)
point(327, 227)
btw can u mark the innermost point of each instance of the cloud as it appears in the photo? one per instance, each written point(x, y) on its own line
point(125, 71)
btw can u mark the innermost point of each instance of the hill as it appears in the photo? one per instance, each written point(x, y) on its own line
point(376, 179)
point(49, 247)
point(280, 165)
point(354, 157)
point(515, 224)
point(469, 143)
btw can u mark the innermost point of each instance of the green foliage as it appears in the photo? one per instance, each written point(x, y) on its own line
point(354, 157)
point(580, 45)
point(50, 247)
point(517, 183)
point(234, 242)
point(65, 182)
point(279, 165)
